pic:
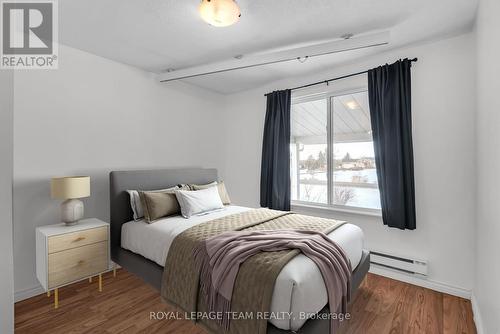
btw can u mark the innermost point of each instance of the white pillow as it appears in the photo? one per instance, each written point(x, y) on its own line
point(198, 201)
point(135, 204)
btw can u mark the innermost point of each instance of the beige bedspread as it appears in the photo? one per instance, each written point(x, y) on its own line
point(256, 278)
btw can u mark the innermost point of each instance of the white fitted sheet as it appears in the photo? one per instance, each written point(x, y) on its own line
point(299, 287)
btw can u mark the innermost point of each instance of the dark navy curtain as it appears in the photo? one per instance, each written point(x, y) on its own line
point(389, 89)
point(275, 166)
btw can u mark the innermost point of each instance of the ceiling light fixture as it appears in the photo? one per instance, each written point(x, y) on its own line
point(219, 13)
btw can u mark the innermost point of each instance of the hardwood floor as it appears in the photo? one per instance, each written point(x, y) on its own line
point(381, 306)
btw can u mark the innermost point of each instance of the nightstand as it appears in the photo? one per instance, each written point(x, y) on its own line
point(67, 254)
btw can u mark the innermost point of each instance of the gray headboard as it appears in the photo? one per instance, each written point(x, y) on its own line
point(120, 181)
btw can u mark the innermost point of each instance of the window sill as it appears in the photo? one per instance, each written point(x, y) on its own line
point(319, 208)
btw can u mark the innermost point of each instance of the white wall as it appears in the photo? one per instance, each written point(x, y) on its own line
point(444, 91)
point(487, 289)
point(89, 117)
point(6, 137)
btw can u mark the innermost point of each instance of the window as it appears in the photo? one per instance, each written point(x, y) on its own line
point(332, 156)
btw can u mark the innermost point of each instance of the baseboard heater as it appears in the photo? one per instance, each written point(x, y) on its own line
point(399, 263)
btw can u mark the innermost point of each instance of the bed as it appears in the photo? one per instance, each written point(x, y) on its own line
point(299, 286)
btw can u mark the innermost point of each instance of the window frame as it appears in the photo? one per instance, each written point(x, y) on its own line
point(329, 96)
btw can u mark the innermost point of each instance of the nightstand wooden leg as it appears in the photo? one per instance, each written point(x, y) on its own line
point(48, 293)
point(114, 272)
point(100, 282)
point(56, 298)
point(90, 279)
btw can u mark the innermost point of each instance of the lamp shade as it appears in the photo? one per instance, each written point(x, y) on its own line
point(70, 187)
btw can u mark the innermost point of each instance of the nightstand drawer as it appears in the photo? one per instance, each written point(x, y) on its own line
point(66, 241)
point(74, 264)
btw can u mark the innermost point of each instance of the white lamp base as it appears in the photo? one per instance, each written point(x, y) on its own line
point(71, 211)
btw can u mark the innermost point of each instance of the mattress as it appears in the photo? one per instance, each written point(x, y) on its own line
point(299, 287)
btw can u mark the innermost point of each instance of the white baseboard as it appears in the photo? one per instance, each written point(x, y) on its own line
point(478, 320)
point(423, 282)
point(28, 293)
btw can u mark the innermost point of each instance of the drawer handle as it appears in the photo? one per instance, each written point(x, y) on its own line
point(79, 239)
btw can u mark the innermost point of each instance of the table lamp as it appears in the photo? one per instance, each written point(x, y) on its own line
point(69, 189)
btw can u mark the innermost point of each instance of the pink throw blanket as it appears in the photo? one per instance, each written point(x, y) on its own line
point(221, 256)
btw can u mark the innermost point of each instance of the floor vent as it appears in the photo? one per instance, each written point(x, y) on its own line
point(398, 263)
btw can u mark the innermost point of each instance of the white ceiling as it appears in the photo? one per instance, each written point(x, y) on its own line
point(159, 34)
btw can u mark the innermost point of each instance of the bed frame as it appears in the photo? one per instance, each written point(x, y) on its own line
point(149, 271)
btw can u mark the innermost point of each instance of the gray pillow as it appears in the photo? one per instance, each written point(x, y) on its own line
point(136, 204)
point(159, 203)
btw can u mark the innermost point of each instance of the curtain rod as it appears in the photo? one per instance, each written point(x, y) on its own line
point(334, 79)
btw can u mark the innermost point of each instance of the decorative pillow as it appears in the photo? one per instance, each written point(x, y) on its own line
point(136, 204)
point(159, 203)
point(198, 201)
point(224, 196)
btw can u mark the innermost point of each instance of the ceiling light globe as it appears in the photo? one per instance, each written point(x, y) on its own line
point(219, 13)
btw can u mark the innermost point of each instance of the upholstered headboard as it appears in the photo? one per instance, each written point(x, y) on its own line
point(121, 181)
